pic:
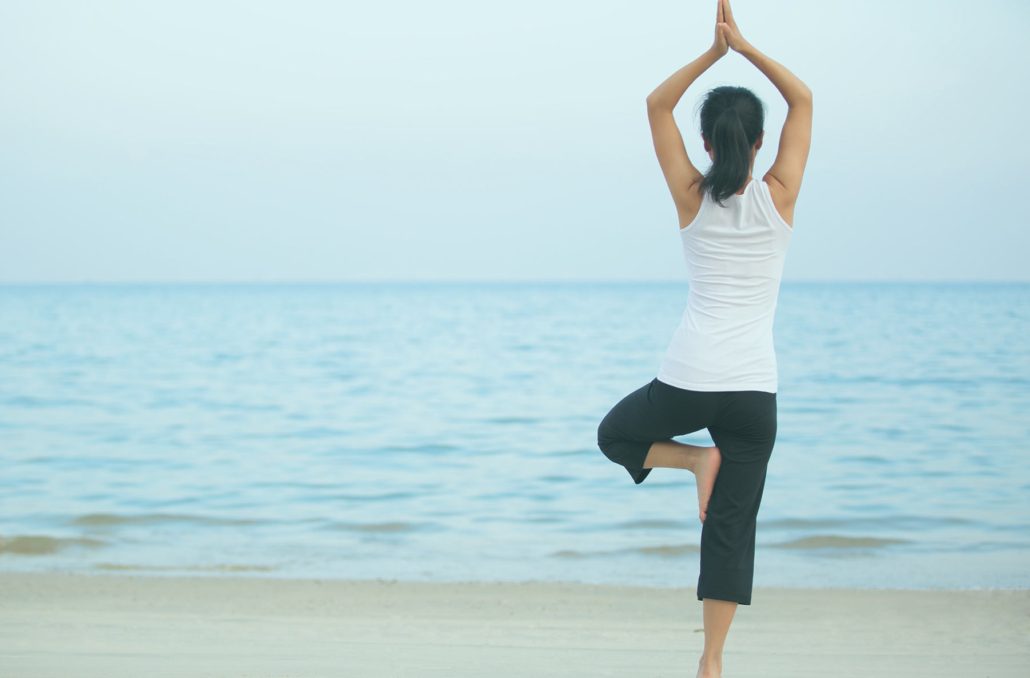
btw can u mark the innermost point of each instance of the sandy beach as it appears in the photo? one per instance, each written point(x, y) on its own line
point(78, 625)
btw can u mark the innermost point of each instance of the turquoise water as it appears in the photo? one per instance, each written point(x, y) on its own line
point(447, 432)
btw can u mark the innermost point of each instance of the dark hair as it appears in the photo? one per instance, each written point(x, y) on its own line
point(732, 119)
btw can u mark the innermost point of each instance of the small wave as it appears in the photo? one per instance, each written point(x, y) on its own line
point(851, 487)
point(570, 453)
point(30, 402)
point(663, 550)
point(512, 420)
point(191, 568)
point(667, 551)
point(809, 410)
point(419, 449)
point(866, 459)
point(110, 519)
point(897, 521)
point(892, 432)
point(375, 527)
point(557, 479)
point(39, 545)
point(650, 525)
point(832, 541)
point(383, 496)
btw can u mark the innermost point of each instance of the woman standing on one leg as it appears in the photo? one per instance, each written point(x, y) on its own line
point(720, 369)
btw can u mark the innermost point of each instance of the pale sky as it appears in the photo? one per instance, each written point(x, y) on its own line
point(403, 140)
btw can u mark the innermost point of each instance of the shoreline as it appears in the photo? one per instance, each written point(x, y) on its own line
point(269, 573)
point(105, 624)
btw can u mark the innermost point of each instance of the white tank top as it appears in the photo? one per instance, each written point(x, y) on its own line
point(735, 258)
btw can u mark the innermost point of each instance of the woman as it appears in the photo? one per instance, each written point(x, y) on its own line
point(720, 369)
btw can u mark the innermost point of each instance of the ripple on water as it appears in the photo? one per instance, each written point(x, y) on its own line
point(185, 568)
point(111, 520)
point(651, 525)
point(41, 545)
point(376, 527)
point(662, 550)
point(834, 541)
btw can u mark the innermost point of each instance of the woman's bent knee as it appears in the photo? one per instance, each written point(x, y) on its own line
point(606, 438)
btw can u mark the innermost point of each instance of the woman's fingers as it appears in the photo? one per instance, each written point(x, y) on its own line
point(721, 43)
point(718, 12)
point(733, 36)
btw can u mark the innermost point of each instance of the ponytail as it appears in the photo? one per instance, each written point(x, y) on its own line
point(732, 119)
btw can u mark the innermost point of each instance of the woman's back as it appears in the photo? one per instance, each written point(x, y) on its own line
point(735, 256)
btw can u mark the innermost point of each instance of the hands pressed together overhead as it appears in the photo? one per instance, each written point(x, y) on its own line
point(727, 35)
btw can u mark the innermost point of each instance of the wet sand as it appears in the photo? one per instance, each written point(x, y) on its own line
point(81, 625)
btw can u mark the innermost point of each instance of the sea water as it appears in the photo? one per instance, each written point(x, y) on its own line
point(448, 432)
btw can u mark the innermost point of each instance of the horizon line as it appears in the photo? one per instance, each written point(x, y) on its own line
point(489, 281)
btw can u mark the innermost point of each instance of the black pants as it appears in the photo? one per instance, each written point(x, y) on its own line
point(743, 426)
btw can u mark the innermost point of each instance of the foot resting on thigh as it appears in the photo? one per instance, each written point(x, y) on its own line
point(705, 471)
point(703, 462)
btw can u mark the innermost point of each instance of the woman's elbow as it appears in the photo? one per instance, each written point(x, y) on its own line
point(802, 97)
point(654, 102)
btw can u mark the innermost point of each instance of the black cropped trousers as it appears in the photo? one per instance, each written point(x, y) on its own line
point(743, 426)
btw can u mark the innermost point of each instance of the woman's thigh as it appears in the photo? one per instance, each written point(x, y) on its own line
point(746, 423)
point(745, 433)
point(658, 411)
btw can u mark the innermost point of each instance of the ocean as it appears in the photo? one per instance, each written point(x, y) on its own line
point(447, 432)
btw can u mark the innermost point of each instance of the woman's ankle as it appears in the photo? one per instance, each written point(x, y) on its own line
point(711, 662)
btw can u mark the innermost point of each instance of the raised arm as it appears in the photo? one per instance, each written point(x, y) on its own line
point(680, 173)
point(796, 137)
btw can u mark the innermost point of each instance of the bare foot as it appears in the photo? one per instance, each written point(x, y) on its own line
point(705, 472)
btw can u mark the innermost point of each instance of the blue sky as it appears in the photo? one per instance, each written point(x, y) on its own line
point(216, 141)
